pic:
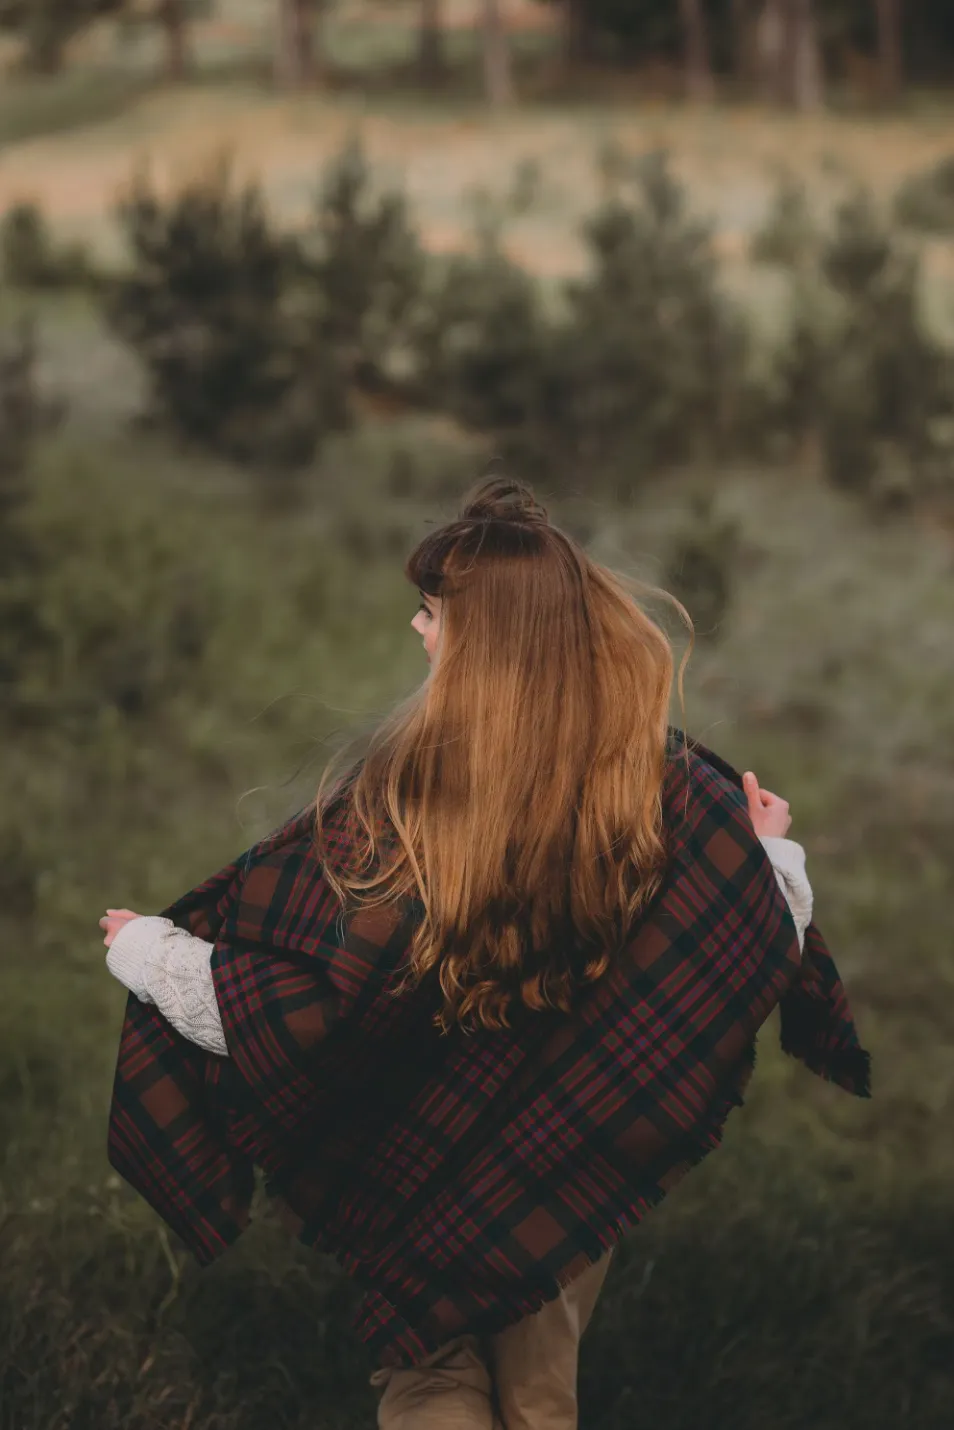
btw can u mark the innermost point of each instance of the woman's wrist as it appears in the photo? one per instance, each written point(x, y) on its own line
point(130, 950)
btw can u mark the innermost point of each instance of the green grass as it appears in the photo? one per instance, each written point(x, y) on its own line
point(373, 59)
point(759, 1300)
point(804, 1278)
point(31, 107)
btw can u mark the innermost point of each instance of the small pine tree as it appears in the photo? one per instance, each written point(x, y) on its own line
point(640, 365)
point(31, 259)
point(860, 371)
point(209, 305)
point(363, 270)
point(482, 343)
point(925, 201)
point(789, 236)
point(653, 354)
point(888, 381)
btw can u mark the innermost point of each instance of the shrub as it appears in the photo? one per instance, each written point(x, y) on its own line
point(29, 257)
point(652, 359)
point(860, 367)
point(483, 341)
point(643, 366)
point(25, 411)
point(889, 381)
point(234, 362)
point(364, 266)
point(96, 618)
point(253, 340)
point(925, 200)
point(799, 363)
point(126, 643)
point(482, 336)
point(788, 236)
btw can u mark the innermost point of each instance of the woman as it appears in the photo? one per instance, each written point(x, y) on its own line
point(477, 1008)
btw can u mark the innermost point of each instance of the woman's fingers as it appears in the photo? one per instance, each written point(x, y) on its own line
point(773, 799)
point(115, 919)
point(750, 786)
point(765, 796)
point(761, 798)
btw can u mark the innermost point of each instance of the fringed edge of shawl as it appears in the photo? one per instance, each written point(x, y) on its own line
point(411, 1343)
point(847, 1067)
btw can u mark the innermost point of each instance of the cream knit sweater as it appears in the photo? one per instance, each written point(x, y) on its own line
point(164, 965)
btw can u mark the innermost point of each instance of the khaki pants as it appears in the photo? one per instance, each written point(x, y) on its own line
point(523, 1378)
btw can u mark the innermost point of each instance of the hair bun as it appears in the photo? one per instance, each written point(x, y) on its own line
point(497, 498)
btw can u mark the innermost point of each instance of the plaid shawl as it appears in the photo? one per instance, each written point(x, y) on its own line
point(463, 1179)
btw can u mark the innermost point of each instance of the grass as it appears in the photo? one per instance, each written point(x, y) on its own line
point(847, 1325)
point(804, 1277)
point(32, 108)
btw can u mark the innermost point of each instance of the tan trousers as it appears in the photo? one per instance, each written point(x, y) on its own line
point(523, 1378)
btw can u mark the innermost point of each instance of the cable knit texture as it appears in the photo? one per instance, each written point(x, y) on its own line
point(164, 965)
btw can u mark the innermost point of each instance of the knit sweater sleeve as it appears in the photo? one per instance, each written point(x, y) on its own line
point(167, 966)
point(163, 964)
point(788, 861)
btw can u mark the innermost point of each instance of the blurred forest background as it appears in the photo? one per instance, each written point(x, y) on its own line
point(277, 279)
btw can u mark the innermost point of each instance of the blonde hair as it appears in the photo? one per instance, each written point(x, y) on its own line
point(517, 795)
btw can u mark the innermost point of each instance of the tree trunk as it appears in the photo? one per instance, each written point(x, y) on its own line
point(788, 57)
point(743, 58)
point(889, 46)
point(172, 19)
point(699, 83)
point(804, 56)
point(498, 81)
point(430, 43)
point(769, 44)
point(45, 44)
point(296, 66)
point(577, 35)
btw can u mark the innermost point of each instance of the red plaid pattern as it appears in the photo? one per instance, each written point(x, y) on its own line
point(463, 1179)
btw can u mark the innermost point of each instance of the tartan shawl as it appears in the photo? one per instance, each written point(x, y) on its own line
point(463, 1179)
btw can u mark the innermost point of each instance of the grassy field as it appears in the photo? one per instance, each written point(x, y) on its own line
point(803, 1279)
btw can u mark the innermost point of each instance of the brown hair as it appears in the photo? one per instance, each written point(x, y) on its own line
point(517, 792)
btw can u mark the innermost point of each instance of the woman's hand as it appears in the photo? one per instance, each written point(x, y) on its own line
point(768, 813)
point(114, 921)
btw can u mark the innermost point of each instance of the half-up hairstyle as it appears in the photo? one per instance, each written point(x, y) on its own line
point(516, 795)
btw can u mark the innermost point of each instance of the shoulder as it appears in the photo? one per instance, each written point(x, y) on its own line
point(710, 832)
point(296, 839)
point(703, 780)
point(281, 890)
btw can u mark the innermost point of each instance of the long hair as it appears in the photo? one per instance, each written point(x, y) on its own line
point(517, 795)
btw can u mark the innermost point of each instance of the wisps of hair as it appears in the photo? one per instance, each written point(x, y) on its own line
point(517, 795)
